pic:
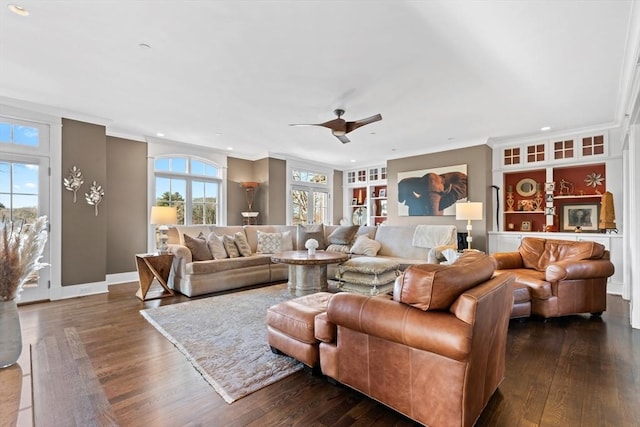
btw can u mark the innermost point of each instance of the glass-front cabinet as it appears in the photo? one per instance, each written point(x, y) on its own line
point(365, 196)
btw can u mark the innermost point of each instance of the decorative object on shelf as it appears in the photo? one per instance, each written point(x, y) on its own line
point(360, 196)
point(359, 216)
point(21, 247)
point(566, 188)
point(550, 210)
point(311, 245)
point(549, 197)
point(607, 213)
point(94, 196)
point(162, 216)
point(382, 192)
point(469, 211)
point(526, 205)
point(431, 192)
point(594, 179)
point(510, 199)
point(537, 200)
point(74, 181)
point(549, 187)
point(583, 215)
point(250, 189)
point(526, 187)
point(525, 226)
point(383, 208)
point(354, 202)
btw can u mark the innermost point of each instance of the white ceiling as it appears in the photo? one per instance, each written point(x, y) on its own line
point(235, 73)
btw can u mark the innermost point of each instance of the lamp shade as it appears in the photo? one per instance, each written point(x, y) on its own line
point(163, 215)
point(469, 211)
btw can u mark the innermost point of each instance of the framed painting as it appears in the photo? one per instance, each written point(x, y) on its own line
point(525, 226)
point(580, 216)
point(431, 192)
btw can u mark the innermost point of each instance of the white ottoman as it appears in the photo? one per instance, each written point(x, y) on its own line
point(367, 275)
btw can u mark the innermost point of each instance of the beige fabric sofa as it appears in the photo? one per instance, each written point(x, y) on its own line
point(194, 278)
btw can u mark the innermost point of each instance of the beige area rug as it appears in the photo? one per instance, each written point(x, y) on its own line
point(225, 338)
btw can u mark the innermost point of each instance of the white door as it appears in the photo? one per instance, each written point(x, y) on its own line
point(309, 206)
point(24, 196)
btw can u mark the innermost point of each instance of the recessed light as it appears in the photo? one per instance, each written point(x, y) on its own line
point(352, 161)
point(229, 148)
point(545, 128)
point(160, 134)
point(18, 10)
point(218, 134)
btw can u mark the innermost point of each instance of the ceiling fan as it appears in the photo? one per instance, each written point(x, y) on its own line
point(340, 128)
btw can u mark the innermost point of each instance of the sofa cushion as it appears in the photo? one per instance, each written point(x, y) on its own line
point(198, 247)
point(216, 247)
point(342, 235)
point(306, 232)
point(230, 246)
point(229, 264)
point(538, 253)
point(344, 249)
point(365, 246)
point(436, 286)
point(241, 242)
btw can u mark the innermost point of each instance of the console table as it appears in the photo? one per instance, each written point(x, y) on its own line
point(153, 266)
point(308, 273)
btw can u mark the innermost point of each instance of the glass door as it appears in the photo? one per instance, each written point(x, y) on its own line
point(309, 206)
point(24, 196)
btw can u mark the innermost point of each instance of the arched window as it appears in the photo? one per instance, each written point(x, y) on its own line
point(191, 185)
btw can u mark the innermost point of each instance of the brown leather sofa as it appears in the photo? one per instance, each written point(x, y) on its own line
point(435, 351)
point(562, 276)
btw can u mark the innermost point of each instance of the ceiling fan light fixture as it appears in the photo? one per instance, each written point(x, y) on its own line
point(18, 10)
point(338, 132)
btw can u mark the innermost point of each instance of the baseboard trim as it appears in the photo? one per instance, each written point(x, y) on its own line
point(614, 288)
point(119, 278)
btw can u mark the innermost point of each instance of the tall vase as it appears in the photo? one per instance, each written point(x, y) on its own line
point(10, 333)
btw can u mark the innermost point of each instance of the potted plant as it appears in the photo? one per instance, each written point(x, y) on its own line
point(21, 247)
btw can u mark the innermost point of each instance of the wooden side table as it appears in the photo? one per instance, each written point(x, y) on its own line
point(153, 266)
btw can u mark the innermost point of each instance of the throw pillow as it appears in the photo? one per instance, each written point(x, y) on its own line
point(269, 243)
point(216, 247)
point(287, 241)
point(306, 232)
point(342, 235)
point(230, 246)
point(437, 286)
point(198, 247)
point(241, 242)
point(345, 249)
point(365, 246)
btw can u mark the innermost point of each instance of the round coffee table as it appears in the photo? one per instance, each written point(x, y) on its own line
point(308, 273)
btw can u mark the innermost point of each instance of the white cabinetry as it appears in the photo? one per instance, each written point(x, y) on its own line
point(365, 195)
point(510, 241)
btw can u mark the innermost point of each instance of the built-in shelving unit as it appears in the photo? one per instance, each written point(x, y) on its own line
point(366, 195)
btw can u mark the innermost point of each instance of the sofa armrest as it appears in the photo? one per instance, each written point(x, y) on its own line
point(438, 332)
point(435, 254)
point(182, 256)
point(507, 260)
point(584, 269)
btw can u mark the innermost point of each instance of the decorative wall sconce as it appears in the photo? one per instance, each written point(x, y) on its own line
point(94, 196)
point(74, 181)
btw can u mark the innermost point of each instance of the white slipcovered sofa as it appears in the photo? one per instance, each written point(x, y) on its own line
point(197, 271)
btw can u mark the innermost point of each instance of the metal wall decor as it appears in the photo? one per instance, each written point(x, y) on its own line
point(94, 196)
point(74, 181)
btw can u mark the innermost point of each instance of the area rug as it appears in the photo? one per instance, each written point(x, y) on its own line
point(225, 338)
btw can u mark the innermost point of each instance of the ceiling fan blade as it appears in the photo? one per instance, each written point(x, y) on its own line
point(359, 123)
point(343, 138)
point(335, 124)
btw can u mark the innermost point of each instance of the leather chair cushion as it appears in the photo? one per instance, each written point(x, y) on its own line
point(436, 286)
point(538, 253)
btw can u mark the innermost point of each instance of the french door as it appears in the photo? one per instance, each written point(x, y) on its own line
point(309, 205)
point(24, 196)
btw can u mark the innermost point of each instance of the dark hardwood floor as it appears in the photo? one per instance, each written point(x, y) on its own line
point(573, 371)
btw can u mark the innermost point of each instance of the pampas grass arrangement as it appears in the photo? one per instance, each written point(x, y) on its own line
point(21, 247)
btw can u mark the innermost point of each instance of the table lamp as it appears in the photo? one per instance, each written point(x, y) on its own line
point(163, 216)
point(471, 211)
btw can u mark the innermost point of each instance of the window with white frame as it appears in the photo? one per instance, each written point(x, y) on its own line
point(191, 185)
point(309, 194)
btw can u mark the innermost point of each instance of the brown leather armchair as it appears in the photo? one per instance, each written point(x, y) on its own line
point(562, 276)
point(434, 352)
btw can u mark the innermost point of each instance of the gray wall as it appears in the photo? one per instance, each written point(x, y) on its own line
point(238, 170)
point(84, 235)
point(337, 197)
point(478, 161)
point(127, 222)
